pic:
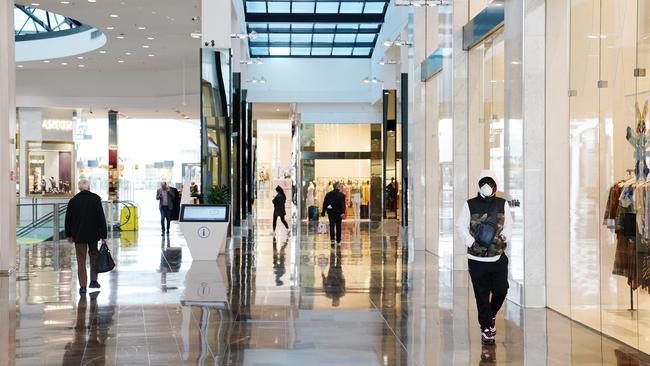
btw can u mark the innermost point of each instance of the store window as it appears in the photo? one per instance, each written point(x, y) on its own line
point(50, 169)
point(609, 266)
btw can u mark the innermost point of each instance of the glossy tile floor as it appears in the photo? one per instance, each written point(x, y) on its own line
point(273, 301)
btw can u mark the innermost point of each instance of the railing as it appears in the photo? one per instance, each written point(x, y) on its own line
point(38, 222)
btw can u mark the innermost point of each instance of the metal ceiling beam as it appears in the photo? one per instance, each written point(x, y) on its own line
point(33, 17)
point(313, 18)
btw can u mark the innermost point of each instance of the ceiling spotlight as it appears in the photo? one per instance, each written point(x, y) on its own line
point(368, 80)
point(114, 16)
point(142, 27)
point(121, 36)
point(127, 53)
point(110, 28)
point(65, 2)
point(145, 46)
point(150, 38)
point(46, 61)
point(36, 4)
point(120, 61)
point(82, 65)
point(195, 34)
point(261, 80)
point(64, 63)
point(102, 51)
point(19, 66)
point(92, 1)
point(151, 55)
point(80, 57)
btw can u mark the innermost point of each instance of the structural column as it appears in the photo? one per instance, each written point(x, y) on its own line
point(236, 119)
point(113, 169)
point(7, 141)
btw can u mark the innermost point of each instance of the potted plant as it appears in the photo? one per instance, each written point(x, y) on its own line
point(219, 195)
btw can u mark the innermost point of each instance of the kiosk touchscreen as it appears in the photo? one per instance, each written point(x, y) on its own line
point(205, 228)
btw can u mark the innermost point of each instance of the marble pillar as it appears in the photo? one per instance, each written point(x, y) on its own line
point(7, 139)
point(534, 62)
point(460, 122)
point(557, 194)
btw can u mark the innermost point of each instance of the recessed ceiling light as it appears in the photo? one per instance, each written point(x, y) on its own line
point(64, 63)
point(110, 28)
point(127, 53)
point(46, 61)
point(150, 38)
point(145, 46)
point(151, 55)
point(80, 57)
point(142, 28)
point(19, 66)
point(195, 35)
point(92, 1)
point(114, 16)
point(121, 36)
point(82, 65)
point(120, 61)
point(65, 2)
point(102, 51)
point(36, 4)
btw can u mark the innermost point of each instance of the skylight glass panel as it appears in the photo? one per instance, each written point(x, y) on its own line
point(374, 8)
point(347, 26)
point(302, 26)
point(279, 27)
point(280, 37)
point(327, 8)
point(259, 51)
point(365, 38)
point(351, 8)
point(321, 51)
point(303, 7)
point(258, 26)
point(279, 51)
point(341, 51)
point(344, 38)
point(361, 51)
point(323, 38)
point(300, 38)
point(300, 51)
point(325, 26)
point(374, 26)
point(256, 7)
point(279, 7)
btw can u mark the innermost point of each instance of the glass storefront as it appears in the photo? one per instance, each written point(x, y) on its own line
point(337, 153)
point(609, 256)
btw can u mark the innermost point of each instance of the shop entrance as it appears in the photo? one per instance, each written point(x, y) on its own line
point(273, 167)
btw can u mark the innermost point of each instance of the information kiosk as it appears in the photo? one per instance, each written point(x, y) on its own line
point(205, 228)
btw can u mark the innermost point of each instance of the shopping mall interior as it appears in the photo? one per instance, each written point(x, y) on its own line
point(400, 104)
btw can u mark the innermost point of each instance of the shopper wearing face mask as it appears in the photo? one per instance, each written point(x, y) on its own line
point(485, 226)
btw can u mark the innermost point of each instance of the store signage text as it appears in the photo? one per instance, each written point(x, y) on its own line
point(57, 124)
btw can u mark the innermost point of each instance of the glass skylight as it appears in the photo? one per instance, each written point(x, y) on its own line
point(314, 28)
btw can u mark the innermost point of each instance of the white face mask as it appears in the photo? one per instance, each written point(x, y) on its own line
point(486, 190)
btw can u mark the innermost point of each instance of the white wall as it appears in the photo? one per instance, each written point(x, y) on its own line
point(303, 80)
point(339, 113)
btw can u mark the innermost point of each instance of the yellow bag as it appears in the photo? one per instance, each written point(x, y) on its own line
point(129, 218)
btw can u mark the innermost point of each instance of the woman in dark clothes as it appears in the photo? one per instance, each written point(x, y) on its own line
point(278, 208)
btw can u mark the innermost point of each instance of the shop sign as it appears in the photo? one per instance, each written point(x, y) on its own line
point(57, 124)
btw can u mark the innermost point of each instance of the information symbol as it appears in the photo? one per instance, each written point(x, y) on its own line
point(204, 232)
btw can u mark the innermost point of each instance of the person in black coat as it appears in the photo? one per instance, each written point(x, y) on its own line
point(278, 208)
point(85, 225)
point(334, 206)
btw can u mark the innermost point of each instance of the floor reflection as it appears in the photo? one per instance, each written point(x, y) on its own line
point(273, 301)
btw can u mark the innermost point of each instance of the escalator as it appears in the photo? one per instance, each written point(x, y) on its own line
point(42, 229)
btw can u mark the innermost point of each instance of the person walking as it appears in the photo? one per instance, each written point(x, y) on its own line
point(278, 208)
point(85, 225)
point(334, 206)
point(165, 197)
point(485, 226)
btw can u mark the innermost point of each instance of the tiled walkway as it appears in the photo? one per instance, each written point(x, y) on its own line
point(291, 301)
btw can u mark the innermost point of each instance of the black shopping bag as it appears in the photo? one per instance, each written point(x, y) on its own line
point(105, 261)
